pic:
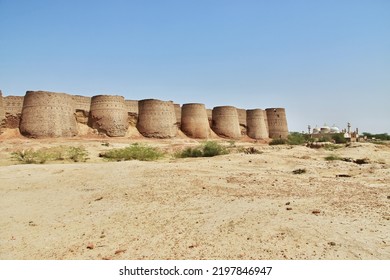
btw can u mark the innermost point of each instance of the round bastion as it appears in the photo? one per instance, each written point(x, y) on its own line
point(277, 123)
point(256, 124)
point(157, 118)
point(194, 121)
point(225, 122)
point(109, 115)
point(48, 114)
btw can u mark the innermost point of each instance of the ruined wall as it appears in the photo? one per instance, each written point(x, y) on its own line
point(82, 106)
point(82, 102)
point(132, 106)
point(277, 123)
point(109, 115)
point(132, 111)
point(256, 124)
point(48, 114)
point(177, 114)
point(13, 104)
point(210, 116)
point(194, 121)
point(225, 122)
point(242, 120)
point(157, 118)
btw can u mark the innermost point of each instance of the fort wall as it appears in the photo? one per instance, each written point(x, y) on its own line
point(256, 124)
point(2, 111)
point(225, 122)
point(277, 123)
point(242, 120)
point(178, 112)
point(157, 118)
point(194, 121)
point(109, 115)
point(48, 114)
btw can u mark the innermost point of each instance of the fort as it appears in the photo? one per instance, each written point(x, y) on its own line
point(51, 114)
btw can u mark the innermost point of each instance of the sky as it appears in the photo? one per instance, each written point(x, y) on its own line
point(325, 61)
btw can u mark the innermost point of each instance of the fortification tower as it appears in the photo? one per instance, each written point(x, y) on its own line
point(109, 115)
point(242, 120)
point(48, 114)
point(157, 118)
point(256, 124)
point(194, 120)
point(277, 123)
point(225, 122)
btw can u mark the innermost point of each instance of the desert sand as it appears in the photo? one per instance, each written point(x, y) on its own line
point(235, 206)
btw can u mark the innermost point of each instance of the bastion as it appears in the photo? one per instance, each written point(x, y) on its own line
point(194, 121)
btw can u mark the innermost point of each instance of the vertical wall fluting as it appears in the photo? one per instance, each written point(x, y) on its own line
point(48, 114)
point(194, 121)
point(256, 124)
point(109, 115)
point(157, 118)
point(277, 123)
point(225, 122)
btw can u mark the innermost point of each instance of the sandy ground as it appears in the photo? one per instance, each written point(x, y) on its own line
point(236, 206)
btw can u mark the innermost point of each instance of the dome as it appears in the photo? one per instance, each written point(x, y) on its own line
point(334, 129)
point(316, 130)
point(325, 129)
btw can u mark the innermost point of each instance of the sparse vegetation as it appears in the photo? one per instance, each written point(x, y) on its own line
point(250, 150)
point(135, 151)
point(299, 171)
point(339, 138)
point(380, 136)
point(208, 149)
point(60, 153)
point(296, 138)
point(331, 147)
point(332, 157)
point(278, 142)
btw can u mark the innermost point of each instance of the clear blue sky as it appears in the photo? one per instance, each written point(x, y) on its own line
point(325, 61)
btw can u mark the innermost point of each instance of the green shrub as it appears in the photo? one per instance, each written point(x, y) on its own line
point(191, 152)
point(30, 156)
point(339, 138)
point(250, 150)
point(296, 138)
point(278, 142)
point(76, 154)
point(331, 147)
point(325, 138)
point(332, 157)
point(208, 149)
point(211, 148)
point(133, 152)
